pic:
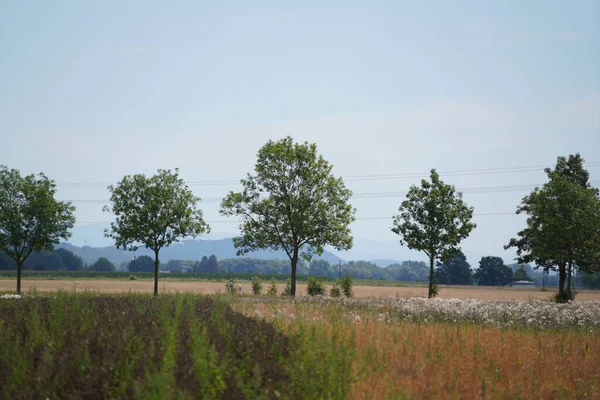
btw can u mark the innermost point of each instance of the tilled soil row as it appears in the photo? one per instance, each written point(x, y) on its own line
point(114, 347)
point(245, 345)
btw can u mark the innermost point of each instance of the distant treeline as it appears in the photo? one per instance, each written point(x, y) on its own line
point(408, 271)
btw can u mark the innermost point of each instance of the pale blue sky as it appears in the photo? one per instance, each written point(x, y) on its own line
point(90, 91)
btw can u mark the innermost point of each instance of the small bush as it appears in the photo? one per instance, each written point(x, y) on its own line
point(347, 285)
point(287, 291)
point(256, 285)
point(315, 287)
point(232, 286)
point(569, 295)
point(335, 290)
point(272, 288)
point(435, 290)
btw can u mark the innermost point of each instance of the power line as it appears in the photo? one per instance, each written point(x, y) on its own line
point(465, 172)
point(358, 219)
point(374, 195)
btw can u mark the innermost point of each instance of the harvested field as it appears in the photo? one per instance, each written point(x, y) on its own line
point(165, 285)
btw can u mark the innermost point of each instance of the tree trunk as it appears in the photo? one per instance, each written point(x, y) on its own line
point(543, 280)
point(561, 282)
point(294, 264)
point(19, 267)
point(430, 294)
point(155, 273)
point(569, 276)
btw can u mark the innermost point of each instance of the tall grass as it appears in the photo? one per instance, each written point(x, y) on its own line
point(382, 357)
point(67, 345)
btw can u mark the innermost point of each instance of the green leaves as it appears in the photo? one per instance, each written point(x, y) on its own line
point(153, 212)
point(455, 271)
point(493, 272)
point(563, 223)
point(30, 218)
point(292, 203)
point(433, 219)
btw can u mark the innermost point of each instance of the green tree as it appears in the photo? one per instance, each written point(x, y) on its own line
point(256, 285)
point(31, 219)
point(315, 286)
point(203, 266)
point(44, 261)
point(346, 285)
point(102, 264)
point(292, 203)
point(402, 273)
point(563, 224)
point(212, 265)
point(153, 212)
point(174, 265)
point(433, 219)
point(321, 268)
point(493, 272)
point(521, 275)
point(456, 271)
point(272, 288)
point(71, 261)
point(591, 281)
point(141, 264)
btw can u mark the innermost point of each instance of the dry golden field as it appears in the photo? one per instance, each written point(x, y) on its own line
point(144, 286)
point(394, 359)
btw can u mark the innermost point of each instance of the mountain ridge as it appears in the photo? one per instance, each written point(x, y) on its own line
point(193, 249)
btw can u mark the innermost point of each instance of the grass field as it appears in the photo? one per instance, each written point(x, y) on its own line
point(427, 358)
point(91, 345)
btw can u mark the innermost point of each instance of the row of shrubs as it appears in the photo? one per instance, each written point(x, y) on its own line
point(315, 287)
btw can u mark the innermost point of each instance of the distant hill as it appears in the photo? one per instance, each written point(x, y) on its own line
point(186, 250)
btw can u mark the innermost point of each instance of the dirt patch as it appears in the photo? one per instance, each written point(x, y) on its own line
point(146, 286)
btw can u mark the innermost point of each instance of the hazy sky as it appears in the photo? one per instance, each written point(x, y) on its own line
point(91, 91)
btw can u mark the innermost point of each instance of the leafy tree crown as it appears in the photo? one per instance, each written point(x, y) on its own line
point(153, 212)
point(293, 201)
point(31, 219)
point(433, 218)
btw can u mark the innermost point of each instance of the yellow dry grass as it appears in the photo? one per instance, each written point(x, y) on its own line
point(145, 286)
point(451, 361)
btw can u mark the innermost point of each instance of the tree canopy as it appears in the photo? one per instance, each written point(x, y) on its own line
point(521, 275)
point(293, 202)
point(71, 261)
point(456, 271)
point(493, 272)
point(141, 264)
point(153, 212)
point(31, 219)
point(102, 264)
point(563, 224)
point(433, 219)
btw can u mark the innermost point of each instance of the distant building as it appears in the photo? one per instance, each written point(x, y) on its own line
point(523, 284)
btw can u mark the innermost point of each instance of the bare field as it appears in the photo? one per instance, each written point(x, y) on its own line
point(118, 286)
